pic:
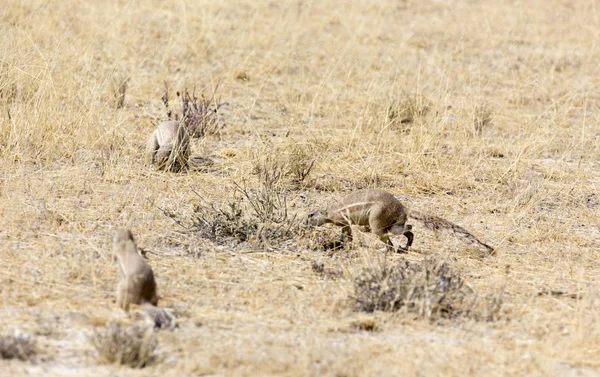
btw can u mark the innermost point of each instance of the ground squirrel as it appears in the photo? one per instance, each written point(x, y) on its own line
point(136, 279)
point(168, 148)
point(382, 214)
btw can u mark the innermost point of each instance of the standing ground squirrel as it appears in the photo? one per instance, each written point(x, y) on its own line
point(382, 214)
point(136, 279)
point(168, 148)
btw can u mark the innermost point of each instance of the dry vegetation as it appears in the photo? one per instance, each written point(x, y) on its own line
point(133, 346)
point(483, 112)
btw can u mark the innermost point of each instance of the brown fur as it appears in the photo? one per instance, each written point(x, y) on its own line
point(136, 279)
point(377, 211)
point(382, 214)
point(168, 148)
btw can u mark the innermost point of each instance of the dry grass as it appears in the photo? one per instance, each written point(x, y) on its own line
point(132, 346)
point(431, 289)
point(18, 346)
point(484, 113)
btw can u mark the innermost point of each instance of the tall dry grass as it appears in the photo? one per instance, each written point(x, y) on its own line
point(485, 113)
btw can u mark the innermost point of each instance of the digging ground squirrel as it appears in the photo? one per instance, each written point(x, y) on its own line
point(136, 279)
point(168, 148)
point(380, 213)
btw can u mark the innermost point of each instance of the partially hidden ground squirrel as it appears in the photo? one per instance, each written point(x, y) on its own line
point(168, 148)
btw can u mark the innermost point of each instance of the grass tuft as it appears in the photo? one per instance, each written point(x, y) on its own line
point(403, 112)
point(119, 82)
point(18, 346)
point(224, 223)
point(431, 289)
point(132, 346)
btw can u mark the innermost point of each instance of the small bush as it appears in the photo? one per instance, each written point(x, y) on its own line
point(268, 210)
point(224, 223)
point(200, 115)
point(259, 213)
point(300, 163)
point(268, 202)
point(292, 164)
point(132, 346)
point(18, 346)
point(430, 289)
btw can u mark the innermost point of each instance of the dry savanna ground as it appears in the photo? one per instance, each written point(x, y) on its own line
point(484, 113)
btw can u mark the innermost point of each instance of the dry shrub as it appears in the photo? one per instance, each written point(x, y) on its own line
point(268, 202)
point(132, 346)
point(300, 162)
point(431, 289)
point(223, 223)
point(200, 115)
point(260, 213)
point(292, 164)
point(267, 207)
point(18, 346)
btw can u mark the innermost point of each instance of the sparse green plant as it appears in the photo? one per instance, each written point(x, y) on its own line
point(18, 346)
point(133, 346)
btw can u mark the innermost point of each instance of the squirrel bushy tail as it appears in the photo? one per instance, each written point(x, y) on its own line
point(437, 223)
